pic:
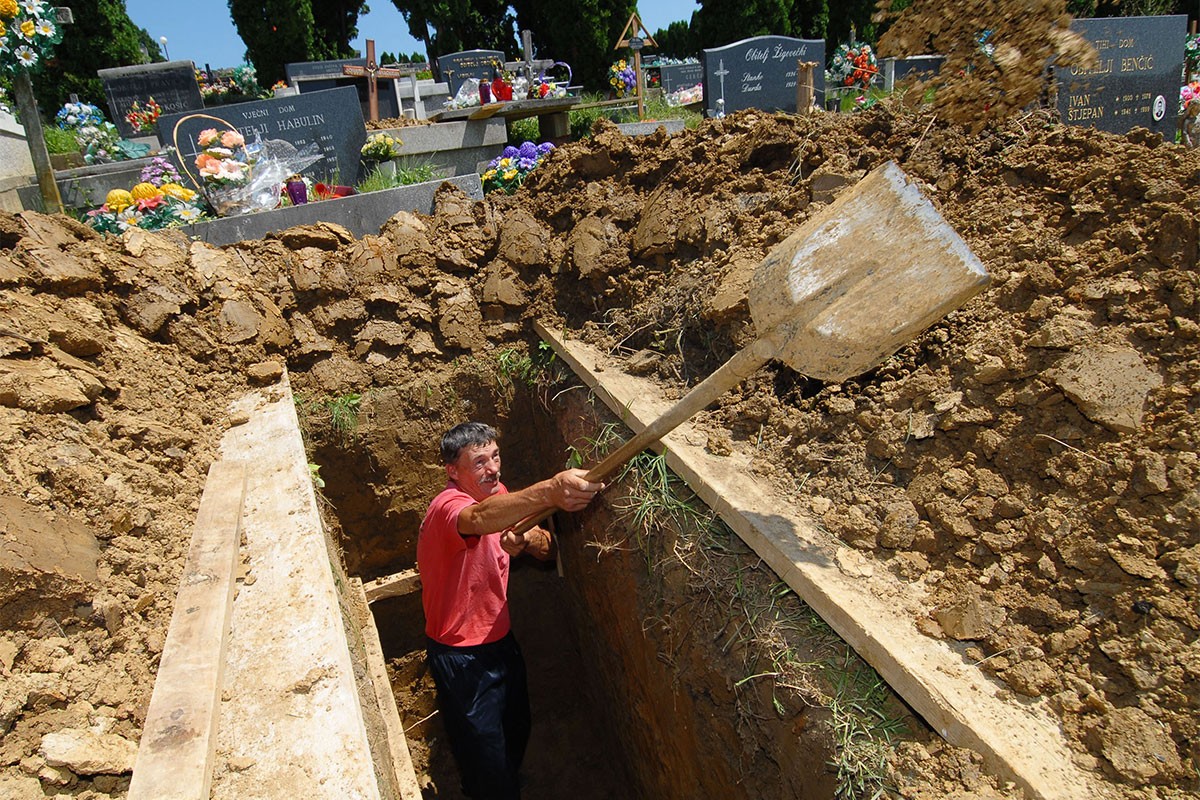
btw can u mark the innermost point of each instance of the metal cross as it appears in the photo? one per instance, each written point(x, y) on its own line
point(721, 73)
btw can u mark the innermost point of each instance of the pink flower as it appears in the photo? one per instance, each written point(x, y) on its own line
point(232, 139)
point(207, 137)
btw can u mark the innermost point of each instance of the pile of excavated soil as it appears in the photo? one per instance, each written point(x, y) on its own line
point(1031, 459)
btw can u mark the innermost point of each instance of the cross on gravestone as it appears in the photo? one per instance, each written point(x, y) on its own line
point(721, 73)
point(373, 72)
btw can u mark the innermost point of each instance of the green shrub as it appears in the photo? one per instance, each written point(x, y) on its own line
point(59, 141)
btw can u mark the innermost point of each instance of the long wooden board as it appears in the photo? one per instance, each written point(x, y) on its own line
point(870, 609)
point(176, 753)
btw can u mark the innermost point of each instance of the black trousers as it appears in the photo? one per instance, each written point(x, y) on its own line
point(483, 694)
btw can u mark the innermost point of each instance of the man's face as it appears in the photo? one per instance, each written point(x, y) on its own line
point(477, 470)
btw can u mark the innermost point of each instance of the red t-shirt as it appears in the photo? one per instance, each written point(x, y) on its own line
point(464, 579)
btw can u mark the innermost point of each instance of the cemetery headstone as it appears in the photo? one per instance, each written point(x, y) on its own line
point(172, 84)
point(759, 72)
point(321, 76)
point(680, 76)
point(918, 67)
point(332, 119)
point(455, 68)
point(1136, 81)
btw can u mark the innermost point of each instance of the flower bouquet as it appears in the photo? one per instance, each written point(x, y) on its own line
point(27, 35)
point(238, 177)
point(144, 119)
point(73, 116)
point(148, 207)
point(853, 65)
point(622, 78)
point(509, 170)
point(381, 147)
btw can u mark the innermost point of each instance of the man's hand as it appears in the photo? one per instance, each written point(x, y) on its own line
point(535, 541)
point(571, 491)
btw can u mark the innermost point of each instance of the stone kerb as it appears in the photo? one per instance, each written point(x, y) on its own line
point(361, 214)
point(454, 148)
point(672, 126)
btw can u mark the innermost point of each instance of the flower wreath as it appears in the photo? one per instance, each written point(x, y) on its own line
point(28, 35)
point(853, 64)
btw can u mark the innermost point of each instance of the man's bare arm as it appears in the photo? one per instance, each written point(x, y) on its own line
point(567, 490)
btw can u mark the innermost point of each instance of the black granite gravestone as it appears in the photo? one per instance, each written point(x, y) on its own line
point(1136, 81)
point(320, 76)
point(759, 73)
point(332, 119)
point(172, 84)
point(457, 67)
point(680, 76)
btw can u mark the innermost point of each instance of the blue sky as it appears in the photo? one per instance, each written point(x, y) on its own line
point(201, 30)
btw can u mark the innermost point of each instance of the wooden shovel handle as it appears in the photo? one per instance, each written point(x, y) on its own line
point(743, 364)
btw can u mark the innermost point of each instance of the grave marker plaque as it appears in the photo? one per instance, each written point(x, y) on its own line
point(680, 76)
point(172, 84)
point(332, 119)
point(1136, 81)
point(759, 73)
point(457, 67)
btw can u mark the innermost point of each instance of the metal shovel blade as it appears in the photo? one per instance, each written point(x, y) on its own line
point(862, 277)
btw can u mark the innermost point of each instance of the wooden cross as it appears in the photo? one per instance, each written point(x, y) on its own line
point(372, 72)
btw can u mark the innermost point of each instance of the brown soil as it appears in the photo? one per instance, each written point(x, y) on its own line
point(1033, 458)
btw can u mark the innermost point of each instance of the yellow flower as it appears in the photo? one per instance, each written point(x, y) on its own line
point(117, 199)
point(3, 30)
point(510, 174)
point(177, 191)
point(491, 173)
point(28, 28)
point(8, 9)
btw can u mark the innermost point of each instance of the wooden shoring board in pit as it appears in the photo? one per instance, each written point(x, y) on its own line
point(177, 750)
point(868, 607)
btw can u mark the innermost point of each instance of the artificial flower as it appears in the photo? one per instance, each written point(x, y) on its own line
point(33, 7)
point(3, 31)
point(26, 56)
point(28, 29)
point(509, 170)
point(44, 28)
point(8, 9)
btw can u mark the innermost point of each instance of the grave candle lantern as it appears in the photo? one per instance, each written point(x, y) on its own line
point(297, 191)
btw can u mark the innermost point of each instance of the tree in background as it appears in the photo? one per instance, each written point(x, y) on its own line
point(678, 39)
point(278, 32)
point(720, 22)
point(580, 32)
point(448, 26)
point(101, 36)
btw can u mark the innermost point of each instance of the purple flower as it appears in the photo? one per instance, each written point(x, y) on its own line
point(545, 147)
point(510, 152)
point(528, 151)
point(526, 163)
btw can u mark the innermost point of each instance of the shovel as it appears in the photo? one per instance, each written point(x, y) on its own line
point(856, 281)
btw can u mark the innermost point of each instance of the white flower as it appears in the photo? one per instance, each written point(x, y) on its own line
point(26, 55)
point(33, 7)
point(44, 28)
point(188, 213)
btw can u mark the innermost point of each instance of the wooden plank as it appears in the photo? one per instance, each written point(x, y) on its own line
point(396, 585)
point(175, 756)
point(402, 766)
point(871, 609)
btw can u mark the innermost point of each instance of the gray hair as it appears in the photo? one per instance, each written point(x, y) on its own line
point(463, 435)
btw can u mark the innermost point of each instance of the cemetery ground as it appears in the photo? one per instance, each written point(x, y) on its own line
point(1028, 464)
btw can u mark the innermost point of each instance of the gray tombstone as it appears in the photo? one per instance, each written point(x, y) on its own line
point(454, 68)
point(914, 67)
point(172, 84)
point(680, 76)
point(320, 76)
point(1136, 81)
point(759, 73)
point(332, 119)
